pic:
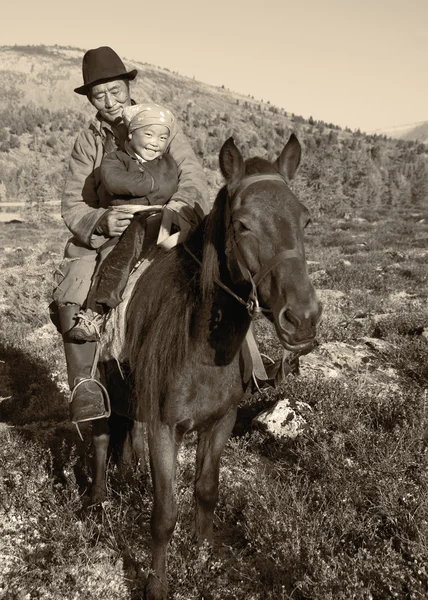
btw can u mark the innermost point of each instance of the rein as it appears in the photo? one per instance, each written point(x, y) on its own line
point(252, 304)
point(258, 371)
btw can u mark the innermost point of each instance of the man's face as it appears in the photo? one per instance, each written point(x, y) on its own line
point(149, 141)
point(110, 99)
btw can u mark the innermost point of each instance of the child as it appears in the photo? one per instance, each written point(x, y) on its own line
point(143, 176)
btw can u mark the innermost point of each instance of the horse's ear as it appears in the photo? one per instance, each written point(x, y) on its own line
point(289, 159)
point(231, 163)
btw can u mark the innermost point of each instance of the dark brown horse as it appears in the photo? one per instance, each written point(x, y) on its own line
point(187, 323)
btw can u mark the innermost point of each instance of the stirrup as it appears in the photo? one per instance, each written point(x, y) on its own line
point(107, 404)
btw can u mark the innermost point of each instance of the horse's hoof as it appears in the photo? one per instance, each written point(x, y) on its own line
point(142, 467)
point(98, 496)
point(155, 589)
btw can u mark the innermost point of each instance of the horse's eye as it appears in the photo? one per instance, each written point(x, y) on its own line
point(307, 222)
point(240, 227)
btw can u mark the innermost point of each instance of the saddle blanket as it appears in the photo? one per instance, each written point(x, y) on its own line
point(112, 343)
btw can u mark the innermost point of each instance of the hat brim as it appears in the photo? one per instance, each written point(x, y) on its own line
point(84, 89)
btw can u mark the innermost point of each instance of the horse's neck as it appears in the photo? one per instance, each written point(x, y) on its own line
point(221, 327)
point(220, 321)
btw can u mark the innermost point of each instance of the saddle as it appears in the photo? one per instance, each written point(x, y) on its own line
point(137, 251)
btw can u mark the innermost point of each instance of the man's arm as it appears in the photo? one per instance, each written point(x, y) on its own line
point(80, 203)
point(192, 184)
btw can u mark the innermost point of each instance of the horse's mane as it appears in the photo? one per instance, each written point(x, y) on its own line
point(214, 243)
point(160, 313)
point(256, 165)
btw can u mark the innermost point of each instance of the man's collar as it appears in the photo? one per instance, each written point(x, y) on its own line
point(101, 126)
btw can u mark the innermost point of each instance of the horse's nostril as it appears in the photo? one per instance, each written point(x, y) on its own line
point(287, 318)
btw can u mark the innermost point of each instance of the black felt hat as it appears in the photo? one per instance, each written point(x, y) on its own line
point(100, 65)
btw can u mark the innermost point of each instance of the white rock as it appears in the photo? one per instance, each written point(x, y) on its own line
point(339, 360)
point(282, 420)
point(377, 344)
point(330, 295)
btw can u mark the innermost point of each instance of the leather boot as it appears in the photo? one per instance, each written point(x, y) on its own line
point(278, 370)
point(89, 399)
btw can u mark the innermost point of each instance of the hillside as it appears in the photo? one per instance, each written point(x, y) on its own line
point(338, 511)
point(342, 171)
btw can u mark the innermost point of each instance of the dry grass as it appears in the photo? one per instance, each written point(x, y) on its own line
point(339, 513)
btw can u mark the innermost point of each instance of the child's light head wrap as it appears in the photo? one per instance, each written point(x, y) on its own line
point(141, 115)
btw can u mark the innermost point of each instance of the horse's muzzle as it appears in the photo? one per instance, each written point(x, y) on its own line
point(296, 325)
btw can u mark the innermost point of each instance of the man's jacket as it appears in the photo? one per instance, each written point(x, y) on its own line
point(85, 200)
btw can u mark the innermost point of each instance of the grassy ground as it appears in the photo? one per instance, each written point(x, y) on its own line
point(340, 512)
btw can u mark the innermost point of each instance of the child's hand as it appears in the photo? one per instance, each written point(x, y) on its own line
point(179, 214)
point(182, 213)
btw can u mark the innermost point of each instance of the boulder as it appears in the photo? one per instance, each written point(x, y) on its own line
point(334, 360)
point(283, 420)
point(377, 344)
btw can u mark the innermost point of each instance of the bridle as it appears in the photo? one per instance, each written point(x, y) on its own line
point(252, 304)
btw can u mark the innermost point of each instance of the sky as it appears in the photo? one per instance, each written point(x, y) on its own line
point(360, 64)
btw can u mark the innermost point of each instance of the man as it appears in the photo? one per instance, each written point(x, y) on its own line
point(85, 210)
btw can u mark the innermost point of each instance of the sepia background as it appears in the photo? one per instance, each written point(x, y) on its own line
point(336, 507)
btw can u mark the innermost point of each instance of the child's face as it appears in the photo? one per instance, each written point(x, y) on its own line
point(149, 141)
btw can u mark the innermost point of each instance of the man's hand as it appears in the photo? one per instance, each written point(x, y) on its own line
point(113, 223)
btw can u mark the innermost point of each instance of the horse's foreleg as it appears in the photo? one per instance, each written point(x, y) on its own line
point(138, 448)
point(100, 441)
point(210, 447)
point(132, 456)
point(163, 445)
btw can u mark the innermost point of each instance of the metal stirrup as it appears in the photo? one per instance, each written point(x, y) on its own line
point(104, 391)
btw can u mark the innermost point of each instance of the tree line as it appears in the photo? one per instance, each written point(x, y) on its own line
point(341, 170)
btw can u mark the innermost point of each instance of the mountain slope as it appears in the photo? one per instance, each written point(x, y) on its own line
point(417, 132)
point(341, 170)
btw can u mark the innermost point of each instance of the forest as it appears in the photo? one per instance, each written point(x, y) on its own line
point(342, 171)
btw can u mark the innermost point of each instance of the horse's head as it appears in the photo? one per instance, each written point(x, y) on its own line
point(264, 240)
